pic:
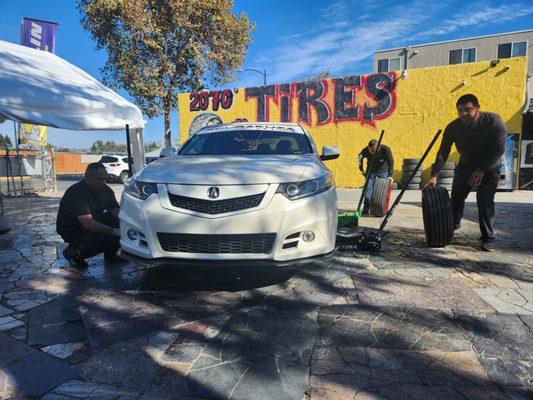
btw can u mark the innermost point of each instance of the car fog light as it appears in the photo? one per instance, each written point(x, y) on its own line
point(308, 236)
point(132, 234)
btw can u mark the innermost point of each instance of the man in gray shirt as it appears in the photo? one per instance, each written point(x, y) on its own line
point(480, 140)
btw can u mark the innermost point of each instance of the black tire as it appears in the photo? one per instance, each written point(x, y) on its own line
point(448, 166)
point(411, 161)
point(203, 120)
point(445, 181)
point(437, 215)
point(407, 174)
point(379, 201)
point(409, 170)
point(124, 175)
point(446, 173)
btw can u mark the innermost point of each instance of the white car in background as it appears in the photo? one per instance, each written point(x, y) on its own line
point(116, 166)
point(242, 191)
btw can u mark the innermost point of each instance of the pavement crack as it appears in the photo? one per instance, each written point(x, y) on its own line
point(239, 381)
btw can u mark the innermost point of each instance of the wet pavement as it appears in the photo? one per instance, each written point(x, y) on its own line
point(409, 323)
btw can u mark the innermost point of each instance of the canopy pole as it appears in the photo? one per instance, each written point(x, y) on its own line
point(129, 150)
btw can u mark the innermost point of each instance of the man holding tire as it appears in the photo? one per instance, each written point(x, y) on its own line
point(383, 167)
point(480, 140)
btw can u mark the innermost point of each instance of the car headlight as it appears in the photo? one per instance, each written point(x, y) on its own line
point(297, 190)
point(140, 190)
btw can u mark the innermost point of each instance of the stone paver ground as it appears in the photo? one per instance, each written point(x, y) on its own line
point(408, 323)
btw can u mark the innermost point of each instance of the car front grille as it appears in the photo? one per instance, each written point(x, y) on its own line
point(216, 206)
point(217, 244)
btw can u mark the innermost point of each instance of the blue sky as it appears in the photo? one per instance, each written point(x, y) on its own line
point(293, 39)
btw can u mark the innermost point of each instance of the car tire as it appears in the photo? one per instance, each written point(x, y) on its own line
point(202, 121)
point(437, 216)
point(411, 161)
point(408, 170)
point(447, 173)
point(124, 175)
point(380, 199)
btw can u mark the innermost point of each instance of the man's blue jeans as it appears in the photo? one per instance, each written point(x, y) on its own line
point(368, 191)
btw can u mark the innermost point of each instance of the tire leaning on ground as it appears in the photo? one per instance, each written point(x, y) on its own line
point(123, 176)
point(437, 215)
point(379, 201)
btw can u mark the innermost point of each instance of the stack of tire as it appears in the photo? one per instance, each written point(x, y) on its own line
point(409, 165)
point(445, 177)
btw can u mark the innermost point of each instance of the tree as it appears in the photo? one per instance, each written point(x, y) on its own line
point(318, 77)
point(5, 141)
point(157, 48)
point(97, 146)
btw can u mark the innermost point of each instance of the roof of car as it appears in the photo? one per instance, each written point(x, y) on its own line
point(282, 126)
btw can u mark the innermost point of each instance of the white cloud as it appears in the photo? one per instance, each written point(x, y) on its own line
point(483, 16)
point(351, 31)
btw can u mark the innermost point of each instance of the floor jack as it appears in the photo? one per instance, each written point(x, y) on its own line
point(350, 238)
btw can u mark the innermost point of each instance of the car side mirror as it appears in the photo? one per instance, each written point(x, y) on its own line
point(330, 153)
point(167, 151)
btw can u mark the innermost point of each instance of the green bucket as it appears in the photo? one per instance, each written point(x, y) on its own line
point(346, 218)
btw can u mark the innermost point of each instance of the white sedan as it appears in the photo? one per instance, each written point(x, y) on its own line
point(242, 191)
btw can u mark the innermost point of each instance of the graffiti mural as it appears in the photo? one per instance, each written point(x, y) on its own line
point(349, 111)
point(343, 104)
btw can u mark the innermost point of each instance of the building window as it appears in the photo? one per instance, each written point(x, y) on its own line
point(515, 49)
point(389, 64)
point(469, 55)
point(459, 56)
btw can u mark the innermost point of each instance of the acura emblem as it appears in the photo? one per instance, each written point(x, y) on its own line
point(213, 192)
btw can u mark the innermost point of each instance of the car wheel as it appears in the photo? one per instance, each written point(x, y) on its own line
point(437, 215)
point(124, 175)
point(379, 201)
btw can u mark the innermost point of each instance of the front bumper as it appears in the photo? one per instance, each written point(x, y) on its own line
point(275, 215)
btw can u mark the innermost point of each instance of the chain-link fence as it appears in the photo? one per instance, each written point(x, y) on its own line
point(26, 172)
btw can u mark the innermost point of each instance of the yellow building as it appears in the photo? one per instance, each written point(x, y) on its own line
point(349, 111)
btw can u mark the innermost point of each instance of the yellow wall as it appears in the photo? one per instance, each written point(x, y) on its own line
point(417, 107)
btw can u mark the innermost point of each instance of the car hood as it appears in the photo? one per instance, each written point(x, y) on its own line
point(232, 170)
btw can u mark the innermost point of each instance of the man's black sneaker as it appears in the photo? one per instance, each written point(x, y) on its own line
point(113, 258)
point(488, 245)
point(73, 256)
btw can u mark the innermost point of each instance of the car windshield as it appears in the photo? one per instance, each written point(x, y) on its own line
point(108, 159)
point(247, 142)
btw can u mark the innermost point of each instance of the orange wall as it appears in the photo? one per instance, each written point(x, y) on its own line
point(69, 163)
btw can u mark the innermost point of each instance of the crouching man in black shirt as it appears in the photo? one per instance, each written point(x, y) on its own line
point(480, 140)
point(88, 218)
